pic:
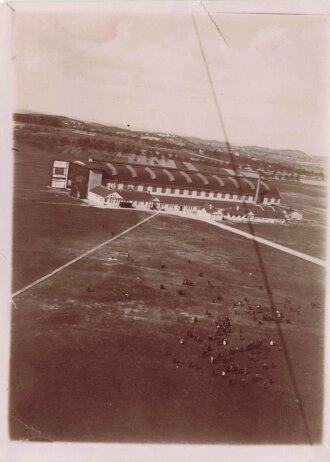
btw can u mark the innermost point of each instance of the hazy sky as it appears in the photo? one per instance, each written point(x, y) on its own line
point(146, 70)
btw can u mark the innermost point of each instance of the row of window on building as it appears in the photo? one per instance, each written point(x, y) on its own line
point(186, 192)
point(117, 201)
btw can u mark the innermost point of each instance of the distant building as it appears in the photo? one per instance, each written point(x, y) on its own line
point(255, 214)
point(294, 215)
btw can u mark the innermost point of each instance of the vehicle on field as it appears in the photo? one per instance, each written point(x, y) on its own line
point(188, 282)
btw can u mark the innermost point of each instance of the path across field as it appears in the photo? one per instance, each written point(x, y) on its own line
point(57, 270)
point(261, 240)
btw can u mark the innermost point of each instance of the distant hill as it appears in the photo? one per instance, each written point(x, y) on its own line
point(171, 142)
point(259, 152)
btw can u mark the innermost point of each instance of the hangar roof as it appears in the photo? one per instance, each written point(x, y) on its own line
point(223, 181)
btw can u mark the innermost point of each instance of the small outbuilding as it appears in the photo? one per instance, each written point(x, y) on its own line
point(133, 199)
point(102, 196)
point(254, 213)
point(294, 215)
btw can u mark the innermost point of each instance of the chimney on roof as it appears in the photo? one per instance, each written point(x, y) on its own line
point(256, 197)
point(237, 207)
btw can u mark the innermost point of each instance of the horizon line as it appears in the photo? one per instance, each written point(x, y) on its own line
point(136, 128)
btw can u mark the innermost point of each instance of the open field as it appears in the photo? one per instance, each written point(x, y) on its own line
point(48, 235)
point(93, 347)
point(308, 236)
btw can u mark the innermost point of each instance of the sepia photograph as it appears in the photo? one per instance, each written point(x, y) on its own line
point(168, 224)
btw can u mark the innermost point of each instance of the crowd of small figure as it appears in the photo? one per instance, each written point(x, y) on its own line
point(226, 352)
point(261, 314)
point(218, 353)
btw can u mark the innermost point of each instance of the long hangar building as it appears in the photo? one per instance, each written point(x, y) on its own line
point(111, 184)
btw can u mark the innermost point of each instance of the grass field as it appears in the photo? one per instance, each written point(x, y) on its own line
point(48, 235)
point(89, 345)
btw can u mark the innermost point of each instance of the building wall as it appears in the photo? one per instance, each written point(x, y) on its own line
point(271, 200)
point(59, 174)
point(58, 183)
point(268, 220)
point(79, 176)
point(95, 179)
point(113, 200)
point(254, 219)
point(217, 216)
point(99, 200)
point(294, 216)
point(183, 192)
point(238, 218)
